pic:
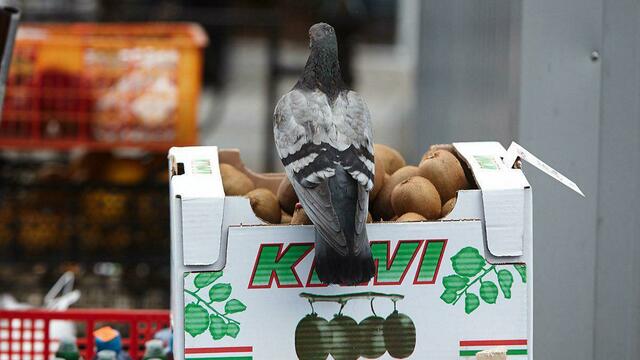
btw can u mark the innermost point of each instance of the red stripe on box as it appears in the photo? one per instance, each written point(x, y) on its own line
point(219, 350)
point(492, 342)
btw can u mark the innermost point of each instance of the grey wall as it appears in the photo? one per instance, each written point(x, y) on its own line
point(465, 71)
point(538, 83)
point(617, 315)
point(559, 121)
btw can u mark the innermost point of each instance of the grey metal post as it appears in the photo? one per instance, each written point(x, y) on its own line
point(617, 317)
point(574, 100)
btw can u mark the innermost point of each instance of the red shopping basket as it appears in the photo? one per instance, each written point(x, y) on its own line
point(26, 334)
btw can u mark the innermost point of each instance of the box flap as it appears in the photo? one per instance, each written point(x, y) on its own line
point(502, 196)
point(196, 180)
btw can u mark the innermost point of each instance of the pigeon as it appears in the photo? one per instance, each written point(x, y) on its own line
point(323, 135)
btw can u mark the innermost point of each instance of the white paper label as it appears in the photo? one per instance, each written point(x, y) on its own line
point(516, 151)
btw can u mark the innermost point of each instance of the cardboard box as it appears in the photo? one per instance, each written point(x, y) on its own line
point(243, 290)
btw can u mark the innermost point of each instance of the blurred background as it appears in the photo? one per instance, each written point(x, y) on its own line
point(91, 109)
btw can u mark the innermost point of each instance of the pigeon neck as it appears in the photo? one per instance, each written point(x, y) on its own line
point(322, 72)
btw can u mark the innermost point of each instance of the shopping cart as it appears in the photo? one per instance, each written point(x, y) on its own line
point(26, 335)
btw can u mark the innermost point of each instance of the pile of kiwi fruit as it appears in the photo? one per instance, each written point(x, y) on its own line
point(401, 192)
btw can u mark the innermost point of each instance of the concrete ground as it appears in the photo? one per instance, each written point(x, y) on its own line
point(235, 118)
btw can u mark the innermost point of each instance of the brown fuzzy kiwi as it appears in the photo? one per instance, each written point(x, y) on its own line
point(444, 170)
point(287, 196)
point(448, 147)
point(378, 180)
point(410, 217)
point(416, 194)
point(300, 217)
point(436, 147)
point(265, 205)
point(234, 181)
point(285, 218)
point(369, 218)
point(382, 204)
point(448, 206)
point(391, 158)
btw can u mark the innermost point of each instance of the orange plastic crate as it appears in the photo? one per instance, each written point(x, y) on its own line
point(103, 85)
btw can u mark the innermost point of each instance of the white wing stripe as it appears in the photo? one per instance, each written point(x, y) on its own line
point(302, 163)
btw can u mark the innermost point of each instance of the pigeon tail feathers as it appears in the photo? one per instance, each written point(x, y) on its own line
point(355, 265)
point(350, 269)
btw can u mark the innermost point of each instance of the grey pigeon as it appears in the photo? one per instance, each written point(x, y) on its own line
point(323, 135)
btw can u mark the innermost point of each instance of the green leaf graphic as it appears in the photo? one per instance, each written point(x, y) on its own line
point(234, 306)
point(196, 319)
point(218, 327)
point(454, 282)
point(448, 296)
point(488, 292)
point(205, 279)
point(471, 302)
point(233, 330)
point(220, 292)
point(467, 262)
point(505, 280)
point(522, 270)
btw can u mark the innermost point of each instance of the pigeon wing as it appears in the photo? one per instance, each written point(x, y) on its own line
point(300, 140)
point(312, 139)
point(353, 123)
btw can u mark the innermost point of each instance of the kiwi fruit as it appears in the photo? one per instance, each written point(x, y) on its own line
point(416, 194)
point(425, 156)
point(445, 172)
point(448, 147)
point(369, 218)
point(448, 206)
point(378, 180)
point(391, 158)
point(410, 217)
point(265, 205)
point(436, 147)
point(382, 204)
point(234, 181)
point(287, 196)
point(285, 218)
point(300, 217)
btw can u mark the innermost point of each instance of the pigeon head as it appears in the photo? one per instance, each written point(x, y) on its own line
point(322, 70)
point(322, 35)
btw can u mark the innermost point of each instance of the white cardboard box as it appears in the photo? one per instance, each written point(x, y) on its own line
point(240, 288)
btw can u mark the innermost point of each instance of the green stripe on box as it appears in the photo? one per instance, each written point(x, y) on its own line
point(509, 352)
point(517, 352)
point(224, 358)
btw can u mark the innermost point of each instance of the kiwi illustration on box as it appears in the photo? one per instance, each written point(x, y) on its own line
point(345, 339)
